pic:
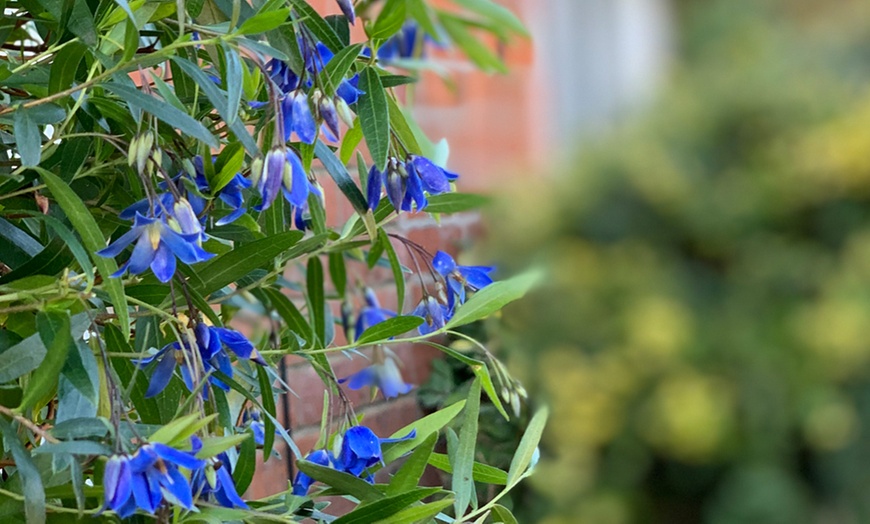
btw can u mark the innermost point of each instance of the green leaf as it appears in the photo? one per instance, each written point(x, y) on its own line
point(340, 176)
point(419, 11)
point(93, 239)
point(55, 331)
point(389, 328)
point(165, 112)
point(80, 428)
point(320, 27)
point(21, 358)
point(501, 514)
point(229, 163)
point(476, 50)
point(498, 15)
point(267, 399)
point(220, 102)
point(214, 445)
point(528, 444)
point(177, 431)
point(69, 239)
point(374, 116)
point(20, 239)
point(425, 426)
point(455, 202)
point(243, 259)
point(463, 467)
point(234, 81)
point(243, 474)
point(409, 474)
point(389, 20)
point(417, 514)
point(28, 139)
point(81, 23)
point(384, 508)
point(396, 266)
point(397, 80)
point(131, 41)
point(479, 369)
point(33, 491)
point(350, 141)
point(75, 447)
point(263, 21)
point(289, 313)
point(341, 481)
point(126, 7)
point(480, 472)
point(64, 67)
point(336, 69)
point(494, 297)
point(316, 298)
point(338, 272)
point(400, 127)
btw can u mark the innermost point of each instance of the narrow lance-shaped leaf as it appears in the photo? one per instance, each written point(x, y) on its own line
point(339, 174)
point(31, 480)
point(234, 81)
point(494, 297)
point(93, 239)
point(165, 112)
point(389, 328)
point(267, 398)
point(55, 332)
point(528, 444)
point(374, 116)
point(463, 467)
point(27, 138)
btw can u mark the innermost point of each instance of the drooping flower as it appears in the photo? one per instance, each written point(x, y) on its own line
point(347, 8)
point(230, 194)
point(408, 182)
point(148, 478)
point(280, 171)
point(210, 342)
point(251, 419)
point(361, 449)
point(297, 117)
point(157, 246)
point(400, 45)
point(302, 483)
point(215, 479)
point(435, 314)
point(372, 314)
point(385, 376)
point(461, 278)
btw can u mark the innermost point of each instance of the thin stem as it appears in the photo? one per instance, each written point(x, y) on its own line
point(26, 422)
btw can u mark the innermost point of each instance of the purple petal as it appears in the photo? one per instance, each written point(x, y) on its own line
point(176, 457)
point(163, 264)
point(443, 263)
point(161, 375)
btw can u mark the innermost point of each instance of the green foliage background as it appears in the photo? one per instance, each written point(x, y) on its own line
point(703, 337)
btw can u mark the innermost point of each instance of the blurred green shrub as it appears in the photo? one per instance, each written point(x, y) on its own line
point(704, 336)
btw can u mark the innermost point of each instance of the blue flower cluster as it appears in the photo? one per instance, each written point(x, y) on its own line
point(152, 476)
point(360, 450)
point(210, 343)
point(408, 182)
point(457, 280)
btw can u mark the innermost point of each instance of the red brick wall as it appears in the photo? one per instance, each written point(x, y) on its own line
point(488, 121)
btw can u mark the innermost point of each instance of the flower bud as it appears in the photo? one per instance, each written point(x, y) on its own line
point(256, 170)
point(132, 151)
point(343, 111)
point(186, 217)
point(143, 151)
point(329, 114)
